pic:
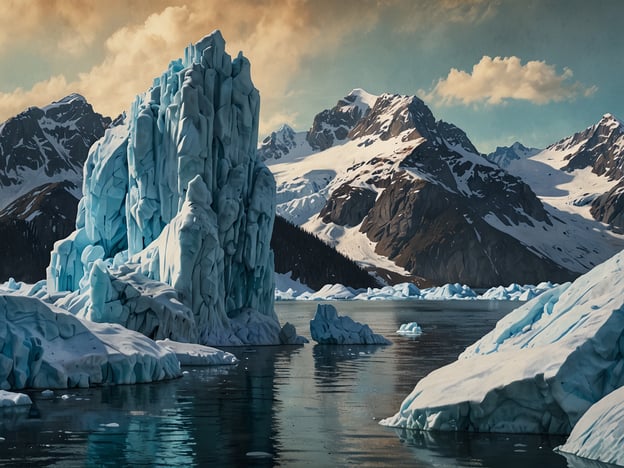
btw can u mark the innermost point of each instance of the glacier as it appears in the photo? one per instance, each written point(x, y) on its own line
point(327, 327)
point(599, 434)
point(173, 231)
point(538, 371)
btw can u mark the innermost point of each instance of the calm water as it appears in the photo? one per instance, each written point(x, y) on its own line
point(290, 406)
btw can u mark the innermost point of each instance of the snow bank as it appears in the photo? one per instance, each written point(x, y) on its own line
point(198, 355)
point(538, 371)
point(599, 434)
point(46, 347)
point(327, 327)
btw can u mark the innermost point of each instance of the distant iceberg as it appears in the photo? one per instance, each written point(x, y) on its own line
point(538, 371)
point(409, 329)
point(288, 289)
point(327, 327)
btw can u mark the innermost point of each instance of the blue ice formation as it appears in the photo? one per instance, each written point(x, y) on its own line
point(178, 196)
point(538, 371)
point(327, 327)
point(42, 346)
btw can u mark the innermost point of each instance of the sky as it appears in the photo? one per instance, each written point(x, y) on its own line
point(533, 71)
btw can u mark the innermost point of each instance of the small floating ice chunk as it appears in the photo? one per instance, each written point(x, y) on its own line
point(113, 424)
point(258, 454)
point(409, 329)
point(13, 399)
point(47, 393)
point(198, 355)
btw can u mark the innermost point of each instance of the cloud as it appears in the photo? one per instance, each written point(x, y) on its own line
point(110, 51)
point(496, 80)
point(276, 35)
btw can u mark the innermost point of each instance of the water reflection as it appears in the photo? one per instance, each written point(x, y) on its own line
point(470, 449)
point(289, 406)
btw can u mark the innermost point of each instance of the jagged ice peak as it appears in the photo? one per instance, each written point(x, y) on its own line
point(177, 204)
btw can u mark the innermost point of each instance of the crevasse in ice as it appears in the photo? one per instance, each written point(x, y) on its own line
point(178, 196)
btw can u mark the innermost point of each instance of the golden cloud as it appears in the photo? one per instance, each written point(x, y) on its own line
point(137, 38)
point(496, 80)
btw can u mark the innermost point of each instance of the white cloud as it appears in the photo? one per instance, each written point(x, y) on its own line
point(499, 79)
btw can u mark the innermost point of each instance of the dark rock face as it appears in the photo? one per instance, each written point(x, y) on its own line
point(347, 206)
point(609, 208)
point(430, 217)
point(50, 140)
point(602, 148)
point(441, 236)
point(277, 144)
point(42, 153)
point(29, 227)
point(335, 124)
point(313, 262)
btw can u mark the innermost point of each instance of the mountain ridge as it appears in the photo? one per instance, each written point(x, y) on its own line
point(362, 193)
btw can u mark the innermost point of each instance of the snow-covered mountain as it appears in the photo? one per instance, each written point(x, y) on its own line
point(395, 189)
point(581, 175)
point(42, 153)
point(504, 155)
point(46, 145)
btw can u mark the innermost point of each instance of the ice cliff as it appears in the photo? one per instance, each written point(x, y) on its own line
point(177, 196)
point(538, 371)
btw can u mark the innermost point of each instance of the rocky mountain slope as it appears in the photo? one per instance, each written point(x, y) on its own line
point(392, 187)
point(582, 174)
point(42, 152)
point(504, 155)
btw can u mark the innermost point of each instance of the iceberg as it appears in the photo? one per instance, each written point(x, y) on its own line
point(449, 291)
point(46, 347)
point(287, 289)
point(173, 231)
point(409, 329)
point(327, 327)
point(538, 371)
point(8, 399)
point(599, 434)
point(198, 355)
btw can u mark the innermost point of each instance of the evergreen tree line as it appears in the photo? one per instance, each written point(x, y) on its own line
point(313, 262)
